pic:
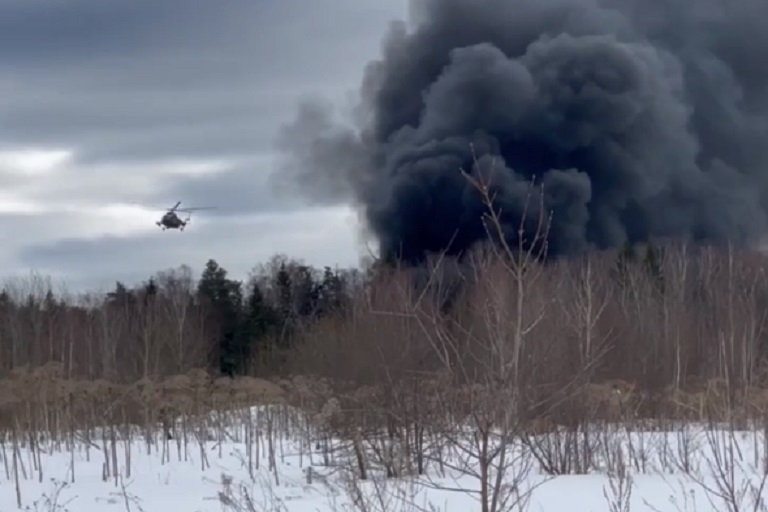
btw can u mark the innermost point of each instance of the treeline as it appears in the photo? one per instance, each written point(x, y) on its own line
point(171, 323)
point(657, 317)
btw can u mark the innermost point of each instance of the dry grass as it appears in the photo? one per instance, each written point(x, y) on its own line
point(44, 399)
point(394, 430)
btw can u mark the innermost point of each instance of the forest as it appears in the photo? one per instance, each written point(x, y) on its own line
point(653, 318)
point(491, 366)
point(172, 322)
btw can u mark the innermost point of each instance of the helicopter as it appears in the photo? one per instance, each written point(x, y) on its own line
point(172, 221)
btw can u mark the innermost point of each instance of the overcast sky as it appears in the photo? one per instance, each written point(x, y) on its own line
point(112, 111)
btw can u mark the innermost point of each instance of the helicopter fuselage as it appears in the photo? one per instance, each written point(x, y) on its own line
point(171, 221)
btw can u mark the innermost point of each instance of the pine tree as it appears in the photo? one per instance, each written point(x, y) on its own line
point(652, 265)
point(284, 285)
point(626, 258)
point(225, 299)
point(258, 324)
point(120, 296)
point(331, 293)
point(285, 310)
point(306, 292)
point(150, 292)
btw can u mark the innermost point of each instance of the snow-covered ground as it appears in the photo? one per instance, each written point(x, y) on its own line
point(224, 468)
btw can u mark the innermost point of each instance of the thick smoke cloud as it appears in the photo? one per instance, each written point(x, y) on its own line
point(637, 119)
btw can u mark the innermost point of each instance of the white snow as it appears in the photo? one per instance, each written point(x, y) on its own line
point(69, 474)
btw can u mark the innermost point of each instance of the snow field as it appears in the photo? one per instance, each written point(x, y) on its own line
point(271, 459)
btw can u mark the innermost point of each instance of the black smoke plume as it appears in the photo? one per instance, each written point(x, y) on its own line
point(637, 119)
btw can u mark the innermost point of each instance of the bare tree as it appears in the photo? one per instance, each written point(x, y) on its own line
point(187, 348)
point(111, 324)
point(485, 351)
point(14, 322)
point(584, 299)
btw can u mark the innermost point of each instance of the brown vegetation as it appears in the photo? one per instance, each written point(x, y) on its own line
point(499, 346)
point(572, 341)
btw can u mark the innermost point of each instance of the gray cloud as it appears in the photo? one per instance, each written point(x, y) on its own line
point(101, 261)
point(241, 190)
point(202, 77)
point(132, 87)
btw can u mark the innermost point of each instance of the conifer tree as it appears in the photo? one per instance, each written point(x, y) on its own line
point(225, 299)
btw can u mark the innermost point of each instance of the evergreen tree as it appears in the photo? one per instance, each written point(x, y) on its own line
point(225, 300)
point(628, 261)
point(120, 296)
point(284, 285)
point(306, 292)
point(331, 296)
point(258, 324)
point(652, 265)
point(150, 292)
point(284, 291)
point(626, 258)
point(213, 282)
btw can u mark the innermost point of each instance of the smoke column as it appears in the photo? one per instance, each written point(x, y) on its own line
point(639, 118)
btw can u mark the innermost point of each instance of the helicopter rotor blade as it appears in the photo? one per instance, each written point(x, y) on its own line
point(194, 209)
